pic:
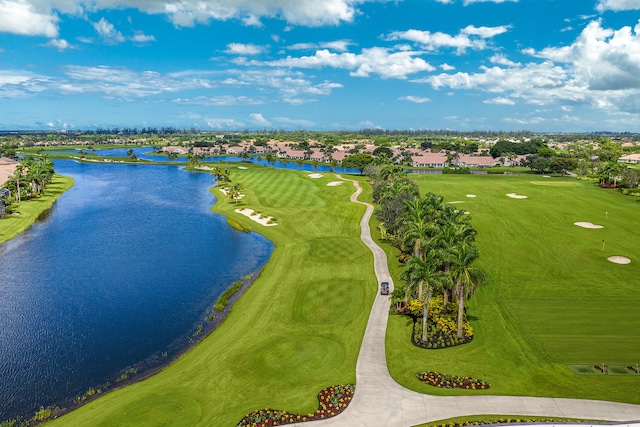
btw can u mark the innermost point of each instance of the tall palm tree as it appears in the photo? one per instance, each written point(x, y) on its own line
point(424, 274)
point(466, 277)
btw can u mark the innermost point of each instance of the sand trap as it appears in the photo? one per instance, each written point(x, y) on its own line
point(242, 167)
point(455, 203)
point(224, 191)
point(315, 175)
point(255, 217)
point(471, 196)
point(619, 260)
point(334, 184)
point(546, 176)
point(587, 225)
point(516, 196)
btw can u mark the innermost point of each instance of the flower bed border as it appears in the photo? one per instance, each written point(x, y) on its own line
point(441, 380)
point(331, 402)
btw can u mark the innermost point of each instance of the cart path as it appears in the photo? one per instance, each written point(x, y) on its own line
point(381, 402)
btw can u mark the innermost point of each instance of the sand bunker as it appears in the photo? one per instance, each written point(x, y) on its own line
point(619, 260)
point(516, 196)
point(242, 167)
point(546, 176)
point(256, 217)
point(315, 175)
point(455, 203)
point(587, 225)
point(471, 196)
point(334, 184)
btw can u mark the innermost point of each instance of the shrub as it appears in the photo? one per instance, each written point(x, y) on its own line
point(42, 414)
point(235, 224)
point(223, 300)
point(437, 379)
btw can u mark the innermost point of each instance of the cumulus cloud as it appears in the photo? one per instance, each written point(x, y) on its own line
point(243, 49)
point(377, 60)
point(602, 58)
point(140, 37)
point(108, 32)
point(23, 18)
point(337, 45)
point(60, 44)
point(39, 17)
point(414, 99)
point(618, 5)
point(258, 119)
point(470, 37)
point(500, 101)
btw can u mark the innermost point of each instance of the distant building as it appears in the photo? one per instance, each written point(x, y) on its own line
point(630, 158)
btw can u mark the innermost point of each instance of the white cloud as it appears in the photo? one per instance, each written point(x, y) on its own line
point(220, 123)
point(470, 37)
point(60, 44)
point(447, 67)
point(21, 17)
point(377, 60)
point(500, 101)
point(602, 58)
point(220, 101)
point(244, 49)
point(618, 5)
point(600, 69)
point(18, 84)
point(258, 119)
point(337, 45)
point(414, 99)
point(501, 59)
point(108, 32)
point(140, 37)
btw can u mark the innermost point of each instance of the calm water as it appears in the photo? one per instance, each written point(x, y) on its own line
point(123, 267)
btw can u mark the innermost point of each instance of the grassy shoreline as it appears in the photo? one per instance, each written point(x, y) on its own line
point(30, 210)
point(295, 331)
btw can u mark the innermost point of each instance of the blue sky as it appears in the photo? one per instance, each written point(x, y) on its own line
point(540, 65)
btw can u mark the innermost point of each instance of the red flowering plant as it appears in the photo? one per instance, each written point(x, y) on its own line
point(437, 379)
point(331, 401)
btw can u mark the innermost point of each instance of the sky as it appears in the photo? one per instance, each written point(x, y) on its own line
point(225, 65)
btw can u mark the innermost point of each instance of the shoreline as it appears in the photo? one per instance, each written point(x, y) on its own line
point(31, 210)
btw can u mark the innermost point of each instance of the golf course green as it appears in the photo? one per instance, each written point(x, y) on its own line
point(296, 330)
point(552, 302)
point(553, 305)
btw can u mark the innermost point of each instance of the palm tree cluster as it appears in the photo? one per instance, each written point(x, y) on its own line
point(438, 241)
point(30, 177)
point(223, 178)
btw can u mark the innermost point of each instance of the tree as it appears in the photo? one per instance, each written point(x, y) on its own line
point(233, 192)
point(465, 277)
point(357, 161)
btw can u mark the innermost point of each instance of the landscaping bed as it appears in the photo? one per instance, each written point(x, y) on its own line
point(437, 379)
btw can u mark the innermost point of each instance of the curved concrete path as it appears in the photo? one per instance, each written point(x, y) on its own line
point(381, 402)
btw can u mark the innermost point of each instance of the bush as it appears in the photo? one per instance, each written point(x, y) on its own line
point(235, 224)
point(223, 300)
point(437, 379)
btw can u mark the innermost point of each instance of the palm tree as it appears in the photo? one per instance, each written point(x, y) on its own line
point(423, 273)
point(466, 277)
point(234, 192)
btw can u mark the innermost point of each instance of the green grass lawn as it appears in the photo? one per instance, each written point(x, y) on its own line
point(30, 209)
point(552, 298)
point(297, 330)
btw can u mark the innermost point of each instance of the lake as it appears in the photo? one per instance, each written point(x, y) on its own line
point(123, 268)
